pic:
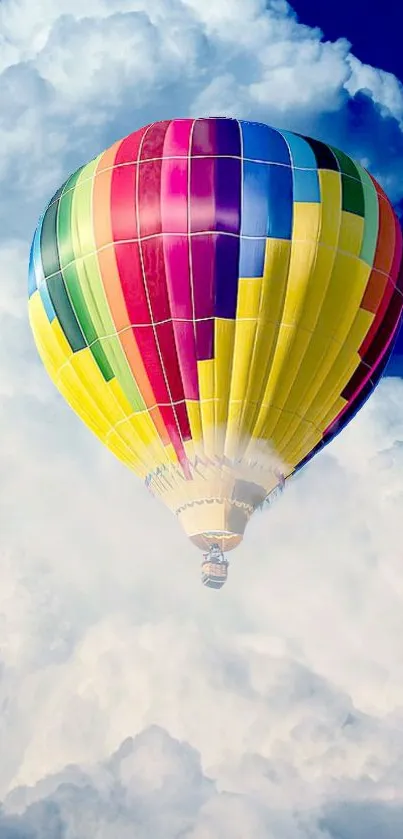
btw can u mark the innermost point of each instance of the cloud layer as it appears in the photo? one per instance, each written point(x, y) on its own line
point(134, 702)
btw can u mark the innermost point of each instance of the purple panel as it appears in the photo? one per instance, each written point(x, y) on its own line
point(216, 136)
point(205, 339)
point(203, 272)
point(227, 275)
point(215, 195)
point(202, 195)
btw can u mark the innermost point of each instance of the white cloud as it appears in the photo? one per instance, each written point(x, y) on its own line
point(278, 701)
point(76, 76)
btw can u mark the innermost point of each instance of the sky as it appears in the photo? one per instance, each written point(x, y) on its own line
point(134, 702)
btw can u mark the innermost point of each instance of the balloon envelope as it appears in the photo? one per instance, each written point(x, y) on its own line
point(216, 299)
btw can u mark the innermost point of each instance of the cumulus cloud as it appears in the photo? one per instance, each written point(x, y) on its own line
point(75, 77)
point(285, 694)
point(133, 701)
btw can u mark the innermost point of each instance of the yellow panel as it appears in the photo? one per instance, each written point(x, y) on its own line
point(248, 302)
point(223, 356)
point(132, 446)
point(193, 409)
point(334, 412)
point(341, 373)
point(57, 352)
point(149, 443)
point(346, 360)
point(245, 336)
point(315, 300)
point(206, 386)
point(330, 190)
point(81, 400)
point(121, 451)
point(302, 261)
point(272, 299)
point(293, 456)
point(171, 453)
point(307, 343)
point(61, 341)
point(339, 316)
point(88, 371)
point(134, 435)
point(306, 349)
point(118, 394)
point(356, 273)
point(351, 233)
point(306, 221)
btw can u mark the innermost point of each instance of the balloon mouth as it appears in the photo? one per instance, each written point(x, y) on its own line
point(224, 539)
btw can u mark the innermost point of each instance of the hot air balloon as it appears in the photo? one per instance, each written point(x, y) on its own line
point(216, 299)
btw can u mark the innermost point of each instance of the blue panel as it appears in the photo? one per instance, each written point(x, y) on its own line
point(227, 194)
point(280, 192)
point(40, 277)
point(260, 142)
point(32, 285)
point(255, 199)
point(226, 276)
point(251, 260)
point(47, 303)
point(306, 185)
point(302, 155)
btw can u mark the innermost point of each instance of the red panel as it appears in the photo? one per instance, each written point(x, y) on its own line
point(385, 248)
point(153, 144)
point(154, 272)
point(166, 342)
point(183, 420)
point(129, 148)
point(399, 281)
point(374, 291)
point(169, 418)
point(389, 288)
point(131, 281)
point(149, 197)
point(386, 329)
point(149, 352)
point(396, 271)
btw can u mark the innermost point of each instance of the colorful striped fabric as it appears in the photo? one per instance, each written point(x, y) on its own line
point(216, 299)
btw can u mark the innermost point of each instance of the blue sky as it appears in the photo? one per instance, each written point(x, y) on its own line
point(374, 33)
point(375, 37)
point(132, 704)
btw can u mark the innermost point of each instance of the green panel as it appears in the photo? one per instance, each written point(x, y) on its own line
point(102, 361)
point(49, 251)
point(123, 372)
point(90, 292)
point(65, 313)
point(72, 282)
point(371, 228)
point(70, 273)
point(352, 190)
